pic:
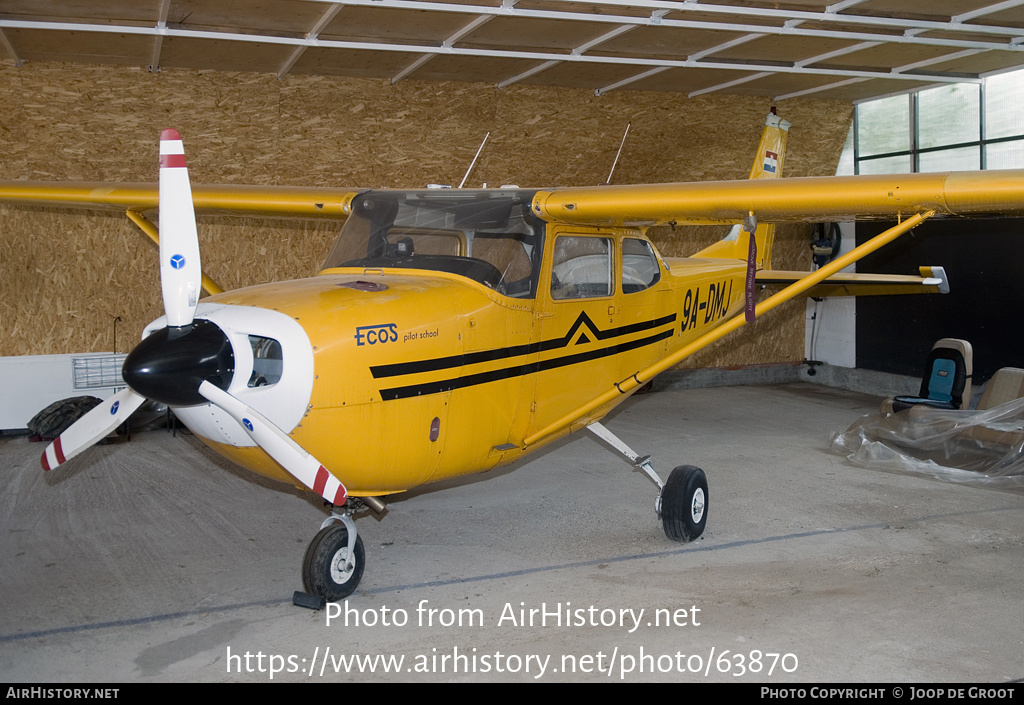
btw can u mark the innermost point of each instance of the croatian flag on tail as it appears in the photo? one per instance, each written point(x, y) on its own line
point(771, 162)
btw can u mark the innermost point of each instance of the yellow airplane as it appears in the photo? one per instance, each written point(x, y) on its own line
point(454, 331)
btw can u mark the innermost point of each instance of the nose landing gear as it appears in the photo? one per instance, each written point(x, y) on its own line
point(334, 561)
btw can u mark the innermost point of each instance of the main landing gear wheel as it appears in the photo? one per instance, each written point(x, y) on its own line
point(325, 569)
point(684, 503)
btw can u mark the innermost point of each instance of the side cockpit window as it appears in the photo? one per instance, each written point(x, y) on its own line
point(581, 268)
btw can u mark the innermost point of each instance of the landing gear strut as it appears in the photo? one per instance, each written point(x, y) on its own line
point(682, 502)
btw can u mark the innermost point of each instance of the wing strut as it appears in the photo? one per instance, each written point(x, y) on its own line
point(209, 286)
point(791, 291)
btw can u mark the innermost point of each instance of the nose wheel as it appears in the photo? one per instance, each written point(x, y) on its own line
point(335, 559)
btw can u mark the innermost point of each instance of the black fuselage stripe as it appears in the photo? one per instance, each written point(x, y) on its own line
point(472, 358)
point(447, 385)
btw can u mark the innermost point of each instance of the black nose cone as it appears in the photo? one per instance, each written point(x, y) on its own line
point(170, 364)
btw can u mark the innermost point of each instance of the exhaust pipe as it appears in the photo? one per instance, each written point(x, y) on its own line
point(377, 504)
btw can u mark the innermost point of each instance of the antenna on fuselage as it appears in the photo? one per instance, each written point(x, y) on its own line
point(475, 157)
point(617, 154)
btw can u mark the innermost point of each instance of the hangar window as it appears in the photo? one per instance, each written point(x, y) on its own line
point(955, 127)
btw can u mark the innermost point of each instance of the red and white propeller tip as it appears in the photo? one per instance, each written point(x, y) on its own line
point(278, 445)
point(91, 428)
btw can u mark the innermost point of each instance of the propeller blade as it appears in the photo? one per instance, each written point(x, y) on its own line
point(279, 445)
point(181, 272)
point(91, 428)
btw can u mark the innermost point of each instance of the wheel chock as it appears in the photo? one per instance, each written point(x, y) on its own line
point(308, 600)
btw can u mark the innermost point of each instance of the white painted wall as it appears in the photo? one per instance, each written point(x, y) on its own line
point(30, 383)
point(831, 324)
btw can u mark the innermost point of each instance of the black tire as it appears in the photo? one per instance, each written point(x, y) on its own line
point(323, 567)
point(684, 503)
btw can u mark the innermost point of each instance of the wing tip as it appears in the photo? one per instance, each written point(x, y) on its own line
point(169, 133)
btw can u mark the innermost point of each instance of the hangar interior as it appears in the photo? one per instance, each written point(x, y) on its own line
point(400, 94)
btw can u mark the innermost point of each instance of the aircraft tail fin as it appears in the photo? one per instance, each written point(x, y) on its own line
point(771, 152)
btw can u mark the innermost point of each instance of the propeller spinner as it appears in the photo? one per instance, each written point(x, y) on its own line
point(190, 361)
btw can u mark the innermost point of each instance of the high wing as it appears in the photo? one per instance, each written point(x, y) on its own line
point(804, 199)
point(281, 201)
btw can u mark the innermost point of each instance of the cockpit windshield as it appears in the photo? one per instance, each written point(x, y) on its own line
point(488, 236)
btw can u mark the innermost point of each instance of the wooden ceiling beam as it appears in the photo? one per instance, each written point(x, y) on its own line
point(739, 24)
point(463, 31)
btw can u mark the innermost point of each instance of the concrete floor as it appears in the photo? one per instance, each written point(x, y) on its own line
point(156, 561)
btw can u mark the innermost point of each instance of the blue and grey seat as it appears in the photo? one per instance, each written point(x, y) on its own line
point(947, 379)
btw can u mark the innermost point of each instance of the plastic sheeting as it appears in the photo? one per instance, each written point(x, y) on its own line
point(964, 446)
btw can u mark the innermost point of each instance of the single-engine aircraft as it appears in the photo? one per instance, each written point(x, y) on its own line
point(454, 331)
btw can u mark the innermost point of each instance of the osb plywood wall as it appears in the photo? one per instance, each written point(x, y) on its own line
point(66, 276)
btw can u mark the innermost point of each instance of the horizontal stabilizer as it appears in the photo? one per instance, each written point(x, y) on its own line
point(932, 281)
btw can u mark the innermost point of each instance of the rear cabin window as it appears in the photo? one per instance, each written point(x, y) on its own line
point(639, 266)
